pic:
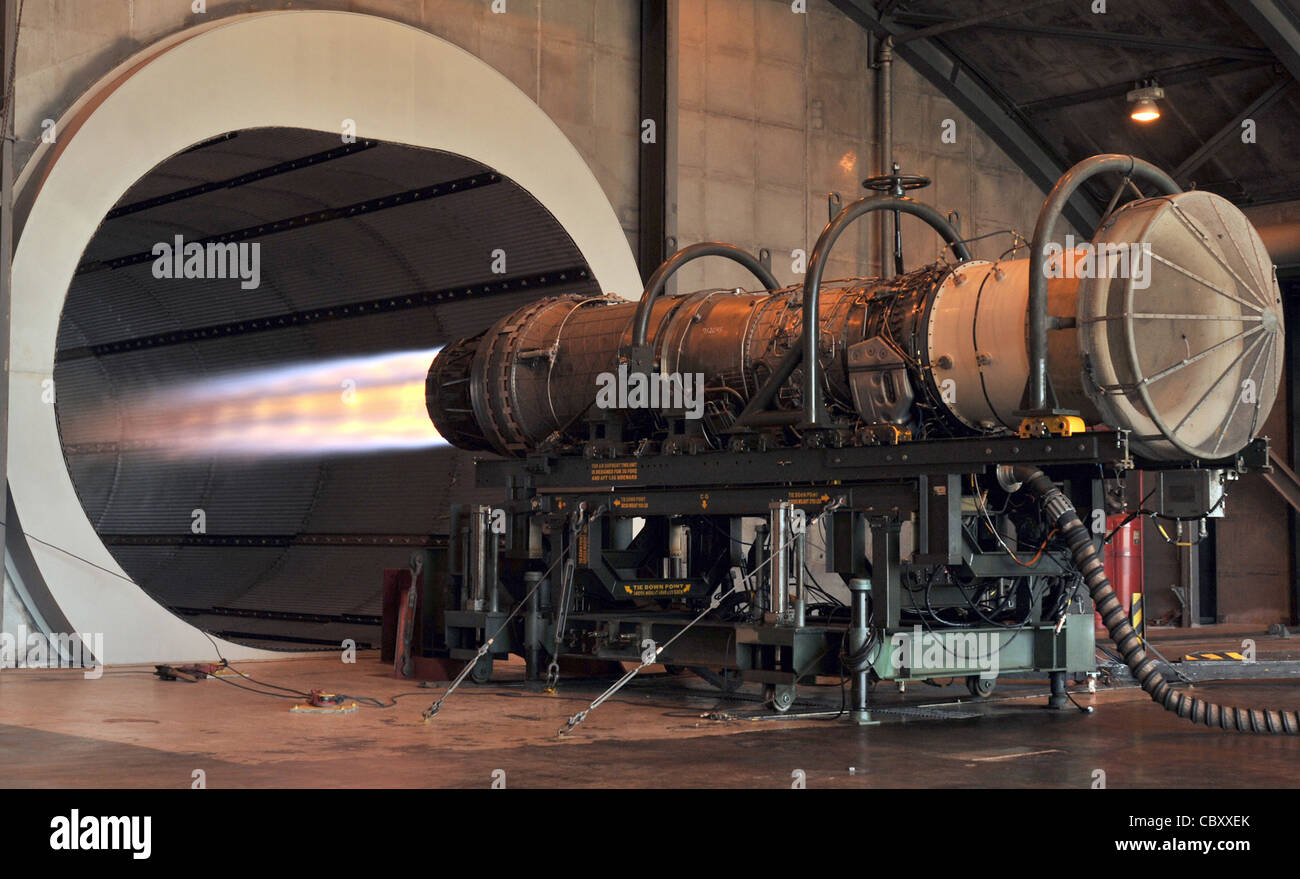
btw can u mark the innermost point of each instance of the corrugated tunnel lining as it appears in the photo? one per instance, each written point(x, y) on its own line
point(366, 248)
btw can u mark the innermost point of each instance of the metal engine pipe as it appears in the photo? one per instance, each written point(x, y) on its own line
point(659, 280)
point(813, 406)
point(536, 372)
point(1036, 390)
point(1175, 337)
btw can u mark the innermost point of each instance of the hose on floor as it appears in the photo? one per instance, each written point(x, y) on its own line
point(1066, 519)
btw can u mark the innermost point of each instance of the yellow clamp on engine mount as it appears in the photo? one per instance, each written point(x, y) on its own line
point(885, 434)
point(1053, 425)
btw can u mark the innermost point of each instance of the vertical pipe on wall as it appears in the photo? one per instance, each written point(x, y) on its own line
point(885, 127)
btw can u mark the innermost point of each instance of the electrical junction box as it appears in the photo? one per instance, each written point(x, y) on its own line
point(1189, 494)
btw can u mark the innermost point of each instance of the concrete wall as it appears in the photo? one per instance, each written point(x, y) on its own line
point(579, 59)
point(777, 109)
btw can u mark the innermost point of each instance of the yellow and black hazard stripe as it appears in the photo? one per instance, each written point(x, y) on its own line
point(1136, 618)
point(1219, 656)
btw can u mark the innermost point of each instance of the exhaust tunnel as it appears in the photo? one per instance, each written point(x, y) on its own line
point(239, 447)
point(274, 522)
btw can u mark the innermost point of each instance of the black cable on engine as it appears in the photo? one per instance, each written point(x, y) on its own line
point(1066, 519)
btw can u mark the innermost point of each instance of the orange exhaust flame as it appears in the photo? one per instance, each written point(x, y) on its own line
point(343, 406)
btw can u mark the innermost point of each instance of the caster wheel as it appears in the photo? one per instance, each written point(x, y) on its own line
point(481, 673)
point(981, 688)
point(778, 698)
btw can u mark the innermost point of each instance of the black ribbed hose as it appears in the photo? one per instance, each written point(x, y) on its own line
point(1066, 519)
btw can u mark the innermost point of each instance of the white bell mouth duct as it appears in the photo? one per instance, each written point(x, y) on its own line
point(279, 398)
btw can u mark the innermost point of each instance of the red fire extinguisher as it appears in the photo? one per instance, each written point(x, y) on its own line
point(1122, 560)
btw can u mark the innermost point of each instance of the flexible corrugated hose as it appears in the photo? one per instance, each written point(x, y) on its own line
point(1066, 519)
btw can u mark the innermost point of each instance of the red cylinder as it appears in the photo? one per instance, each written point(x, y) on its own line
point(1122, 560)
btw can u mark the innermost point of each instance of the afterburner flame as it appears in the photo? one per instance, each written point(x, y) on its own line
point(341, 406)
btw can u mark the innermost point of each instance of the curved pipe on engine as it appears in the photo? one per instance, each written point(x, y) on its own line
point(1036, 393)
point(1066, 519)
point(659, 280)
point(814, 407)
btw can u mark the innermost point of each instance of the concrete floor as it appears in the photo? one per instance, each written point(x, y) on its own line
point(129, 729)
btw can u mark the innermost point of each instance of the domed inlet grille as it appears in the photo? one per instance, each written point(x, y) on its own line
point(1184, 345)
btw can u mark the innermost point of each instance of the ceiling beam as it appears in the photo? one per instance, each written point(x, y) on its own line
point(957, 24)
point(1221, 137)
point(1197, 71)
point(1276, 27)
point(986, 107)
point(1259, 190)
point(1107, 37)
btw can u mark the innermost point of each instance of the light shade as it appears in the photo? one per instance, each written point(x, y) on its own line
point(1145, 110)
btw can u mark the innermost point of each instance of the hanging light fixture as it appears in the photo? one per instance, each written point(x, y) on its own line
point(1145, 108)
